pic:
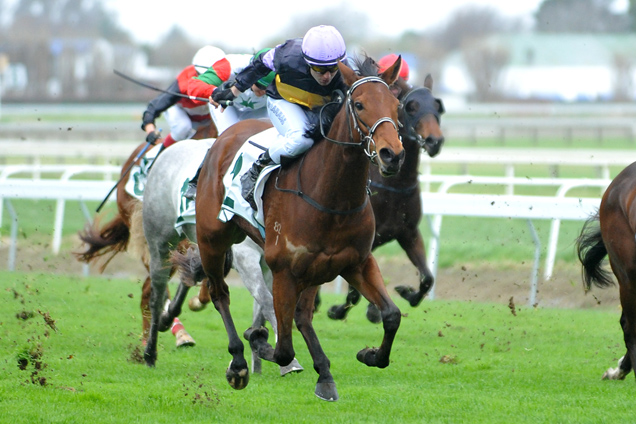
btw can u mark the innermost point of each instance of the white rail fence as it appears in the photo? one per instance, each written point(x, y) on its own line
point(61, 188)
point(435, 204)
point(602, 160)
point(555, 208)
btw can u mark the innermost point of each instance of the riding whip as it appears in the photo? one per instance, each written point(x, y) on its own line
point(143, 84)
point(139, 155)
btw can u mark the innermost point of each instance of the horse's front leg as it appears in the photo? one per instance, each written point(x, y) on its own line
point(285, 297)
point(413, 245)
point(304, 314)
point(368, 280)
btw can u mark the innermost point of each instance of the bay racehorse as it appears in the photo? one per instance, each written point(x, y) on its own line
point(611, 233)
point(104, 241)
point(318, 224)
point(396, 201)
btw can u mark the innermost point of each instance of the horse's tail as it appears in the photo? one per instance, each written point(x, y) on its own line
point(190, 267)
point(107, 241)
point(591, 251)
point(138, 244)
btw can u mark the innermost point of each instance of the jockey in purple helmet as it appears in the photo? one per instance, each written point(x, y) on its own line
point(306, 76)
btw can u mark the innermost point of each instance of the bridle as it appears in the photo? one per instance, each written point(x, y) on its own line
point(368, 139)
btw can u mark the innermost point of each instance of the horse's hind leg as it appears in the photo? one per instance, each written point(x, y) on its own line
point(625, 363)
point(622, 258)
point(159, 274)
point(413, 245)
point(369, 282)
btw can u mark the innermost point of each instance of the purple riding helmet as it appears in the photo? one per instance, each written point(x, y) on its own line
point(323, 46)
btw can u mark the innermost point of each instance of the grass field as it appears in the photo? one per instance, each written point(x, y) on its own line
point(70, 349)
point(70, 353)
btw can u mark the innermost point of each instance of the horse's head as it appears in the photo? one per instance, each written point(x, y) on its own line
point(372, 110)
point(421, 113)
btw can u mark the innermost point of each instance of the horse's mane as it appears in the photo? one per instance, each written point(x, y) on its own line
point(364, 66)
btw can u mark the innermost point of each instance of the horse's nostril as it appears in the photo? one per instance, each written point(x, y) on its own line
point(387, 156)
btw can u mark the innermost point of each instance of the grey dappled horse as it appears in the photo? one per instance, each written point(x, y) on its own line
point(161, 205)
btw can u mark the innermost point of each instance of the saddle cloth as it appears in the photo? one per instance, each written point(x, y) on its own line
point(139, 173)
point(234, 203)
point(137, 183)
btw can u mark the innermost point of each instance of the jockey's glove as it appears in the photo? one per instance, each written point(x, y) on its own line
point(152, 137)
point(224, 92)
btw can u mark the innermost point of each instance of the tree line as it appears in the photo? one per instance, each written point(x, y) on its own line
point(68, 48)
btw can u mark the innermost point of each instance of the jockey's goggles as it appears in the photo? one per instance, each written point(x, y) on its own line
point(324, 69)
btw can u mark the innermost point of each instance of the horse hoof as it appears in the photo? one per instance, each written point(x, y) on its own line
point(614, 374)
point(410, 295)
point(293, 367)
point(369, 357)
point(150, 359)
point(253, 334)
point(183, 339)
point(373, 314)
point(195, 304)
point(337, 312)
point(327, 391)
point(238, 380)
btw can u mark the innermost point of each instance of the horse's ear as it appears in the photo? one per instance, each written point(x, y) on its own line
point(391, 74)
point(348, 74)
point(428, 82)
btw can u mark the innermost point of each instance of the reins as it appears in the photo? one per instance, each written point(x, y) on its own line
point(352, 115)
point(314, 203)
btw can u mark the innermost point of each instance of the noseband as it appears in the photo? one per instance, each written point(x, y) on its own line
point(366, 141)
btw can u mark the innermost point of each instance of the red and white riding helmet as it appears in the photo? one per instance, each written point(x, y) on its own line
point(389, 60)
point(207, 56)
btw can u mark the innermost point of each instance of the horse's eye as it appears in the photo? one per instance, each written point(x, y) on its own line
point(359, 106)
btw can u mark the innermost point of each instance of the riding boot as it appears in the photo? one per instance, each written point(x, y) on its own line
point(248, 180)
point(191, 192)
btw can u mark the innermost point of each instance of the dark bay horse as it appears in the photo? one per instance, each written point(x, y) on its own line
point(107, 240)
point(396, 201)
point(325, 229)
point(611, 233)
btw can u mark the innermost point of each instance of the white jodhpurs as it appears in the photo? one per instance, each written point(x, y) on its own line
point(292, 122)
point(223, 119)
point(181, 127)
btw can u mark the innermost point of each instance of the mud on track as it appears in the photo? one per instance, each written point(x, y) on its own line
point(470, 282)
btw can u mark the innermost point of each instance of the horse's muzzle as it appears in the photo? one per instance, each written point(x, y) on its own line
point(389, 162)
point(433, 145)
